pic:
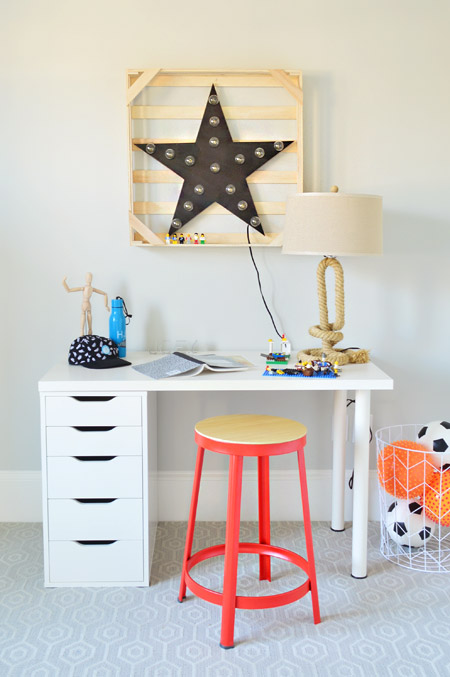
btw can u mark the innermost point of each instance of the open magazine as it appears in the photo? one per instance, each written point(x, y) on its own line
point(177, 364)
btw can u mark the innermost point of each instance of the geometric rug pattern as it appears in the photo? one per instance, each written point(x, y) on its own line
point(394, 623)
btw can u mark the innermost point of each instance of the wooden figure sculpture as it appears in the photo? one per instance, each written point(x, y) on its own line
point(86, 313)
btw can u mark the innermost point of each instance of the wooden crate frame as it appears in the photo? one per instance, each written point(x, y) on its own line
point(137, 80)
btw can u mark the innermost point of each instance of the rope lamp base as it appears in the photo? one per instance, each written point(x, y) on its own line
point(329, 332)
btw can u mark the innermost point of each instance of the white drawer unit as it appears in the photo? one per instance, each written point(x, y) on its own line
point(95, 519)
point(94, 477)
point(93, 410)
point(95, 488)
point(94, 441)
point(96, 563)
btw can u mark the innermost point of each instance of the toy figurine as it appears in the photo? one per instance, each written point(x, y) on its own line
point(195, 238)
point(285, 346)
point(167, 238)
point(174, 239)
point(181, 239)
point(202, 238)
point(86, 313)
point(188, 239)
point(308, 370)
point(281, 358)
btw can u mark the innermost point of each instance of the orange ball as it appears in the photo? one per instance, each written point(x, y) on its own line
point(437, 498)
point(403, 469)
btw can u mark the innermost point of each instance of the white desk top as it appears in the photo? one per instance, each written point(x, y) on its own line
point(64, 377)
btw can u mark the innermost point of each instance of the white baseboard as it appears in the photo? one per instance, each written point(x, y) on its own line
point(20, 496)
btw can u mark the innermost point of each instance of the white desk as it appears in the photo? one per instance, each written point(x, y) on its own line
point(72, 381)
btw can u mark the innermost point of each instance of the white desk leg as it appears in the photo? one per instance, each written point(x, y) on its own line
point(339, 435)
point(361, 484)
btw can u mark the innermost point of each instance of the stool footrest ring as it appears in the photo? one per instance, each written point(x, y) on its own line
point(248, 602)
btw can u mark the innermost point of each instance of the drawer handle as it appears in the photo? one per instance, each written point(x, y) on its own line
point(95, 500)
point(94, 458)
point(93, 428)
point(96, 542)
point(93, 398)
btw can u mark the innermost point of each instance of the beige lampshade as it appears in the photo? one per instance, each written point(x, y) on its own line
point(337, 224)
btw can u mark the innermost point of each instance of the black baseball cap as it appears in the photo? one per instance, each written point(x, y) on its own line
point(95, 352)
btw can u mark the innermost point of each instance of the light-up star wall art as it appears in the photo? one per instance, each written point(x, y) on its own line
point(214, 168)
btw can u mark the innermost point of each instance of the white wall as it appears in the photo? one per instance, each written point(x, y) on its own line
point(376, 120)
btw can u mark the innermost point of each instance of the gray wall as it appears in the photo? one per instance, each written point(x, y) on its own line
point(376, 121)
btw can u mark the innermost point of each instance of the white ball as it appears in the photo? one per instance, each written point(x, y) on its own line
point(435, 436)
point(407, 523)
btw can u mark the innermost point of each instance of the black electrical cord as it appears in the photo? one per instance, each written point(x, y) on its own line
point(350, 482)
point(259, 282)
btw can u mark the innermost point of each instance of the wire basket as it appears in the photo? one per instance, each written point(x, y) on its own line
point(414, 493)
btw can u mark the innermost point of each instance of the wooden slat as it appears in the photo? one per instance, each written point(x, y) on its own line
point(167, 176)
point(292, 87)
point(230, 112)
point(143, 230)
point(300, 140)
point(177, 80)
point(220, 240)
point(169, 208)
point(290, 149)
point(215, 71)
point(142, 81)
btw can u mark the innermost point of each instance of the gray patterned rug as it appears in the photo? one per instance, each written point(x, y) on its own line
point(396, 622)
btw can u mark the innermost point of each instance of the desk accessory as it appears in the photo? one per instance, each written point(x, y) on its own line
point(86, 311)
point(118, 321)
point(95, 352)
point(177, 364)
point(334, 224)
point(248, 119)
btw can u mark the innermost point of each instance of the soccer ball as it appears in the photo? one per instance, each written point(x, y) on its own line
point(407, 523)
point(436, 437)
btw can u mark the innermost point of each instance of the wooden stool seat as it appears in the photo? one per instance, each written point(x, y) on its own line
point(239, 436)
point(236, 434)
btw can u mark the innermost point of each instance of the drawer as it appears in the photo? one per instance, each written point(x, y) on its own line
point(91, 410)
point(72, 519)
point(71, 562)
point(94, 441)
point(85, 477)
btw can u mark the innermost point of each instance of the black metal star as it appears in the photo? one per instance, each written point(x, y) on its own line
point(214, 168)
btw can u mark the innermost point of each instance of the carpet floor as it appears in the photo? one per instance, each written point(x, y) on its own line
point(394, 623)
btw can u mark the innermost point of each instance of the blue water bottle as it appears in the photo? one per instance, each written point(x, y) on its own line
point(118, 321)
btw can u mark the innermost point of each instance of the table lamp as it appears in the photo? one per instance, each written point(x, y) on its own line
point(332, 224)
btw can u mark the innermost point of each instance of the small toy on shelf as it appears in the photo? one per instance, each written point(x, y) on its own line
point(195, 238)
point(202, 238)
point(281, 358)
point(174, 239)
point(181, 239)
point(285, 346)
point(314, 369)
point(188, 239)
point(167, 238)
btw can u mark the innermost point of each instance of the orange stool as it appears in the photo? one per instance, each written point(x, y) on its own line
point(239, 436)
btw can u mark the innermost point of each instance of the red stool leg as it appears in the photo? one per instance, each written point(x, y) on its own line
point(264, 515)
point(308, 536)
point(191, 522)
point(231, 552)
